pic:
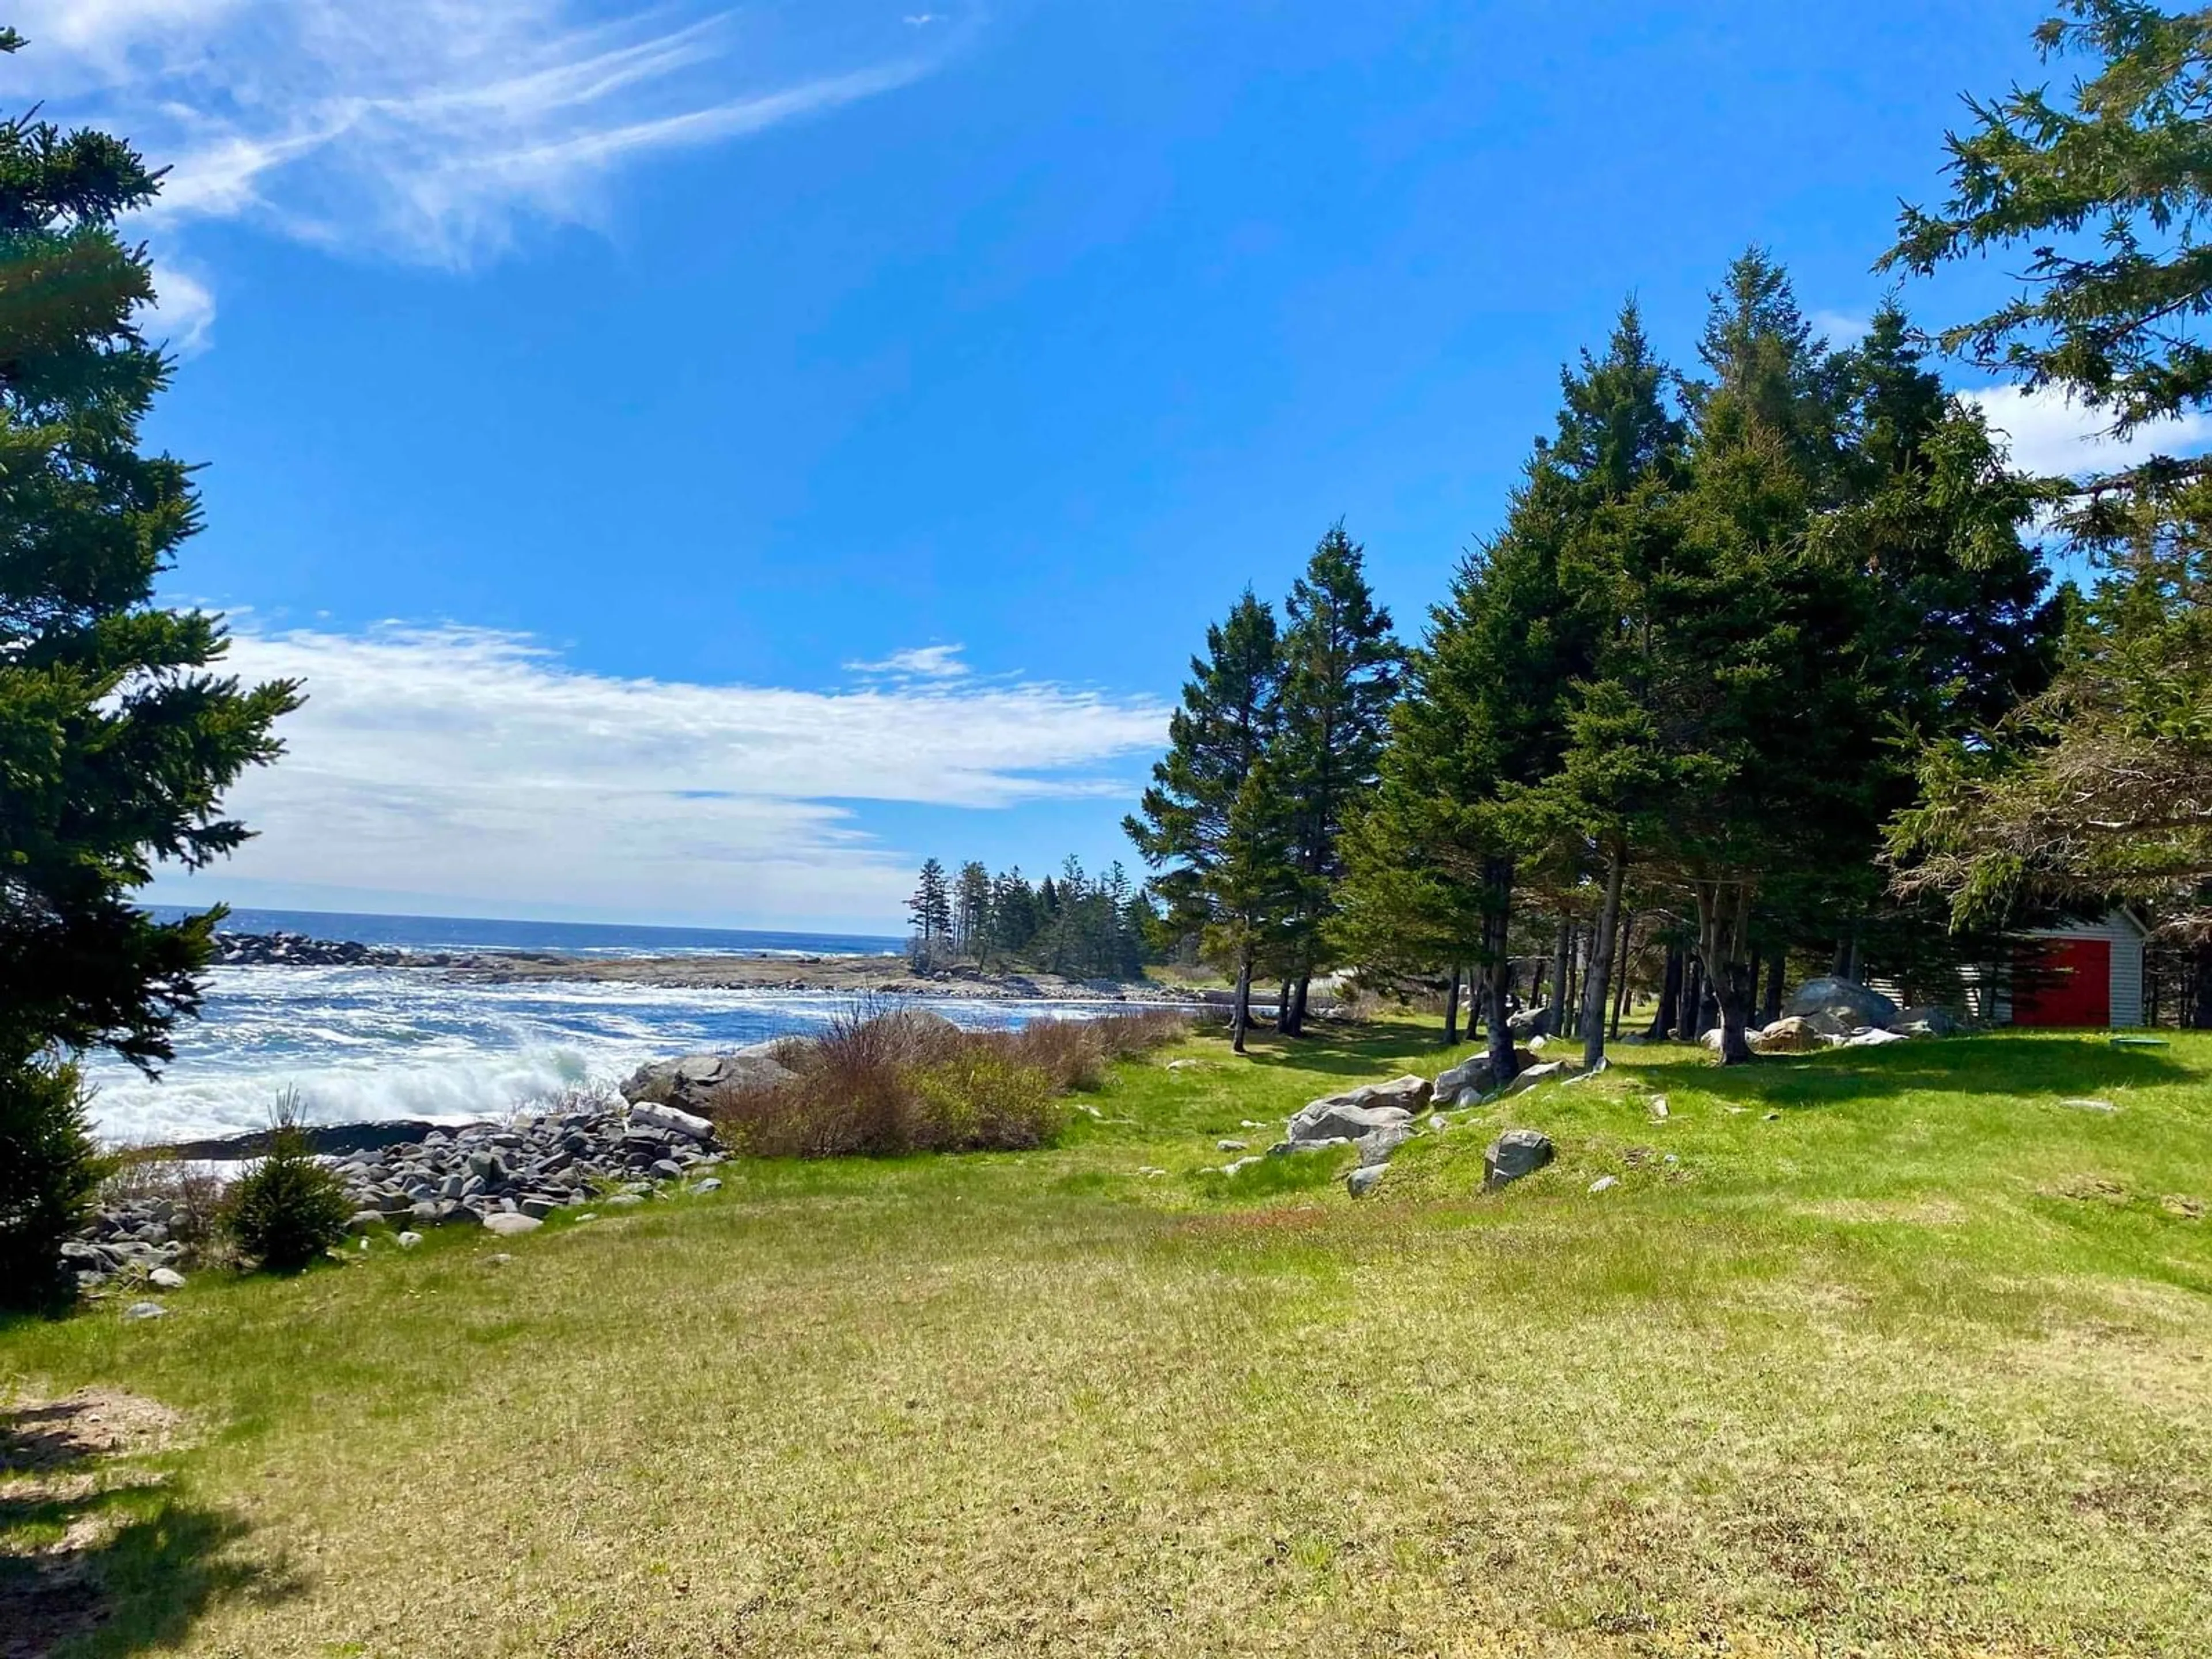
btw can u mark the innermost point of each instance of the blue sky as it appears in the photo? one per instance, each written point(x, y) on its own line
point(705, 458)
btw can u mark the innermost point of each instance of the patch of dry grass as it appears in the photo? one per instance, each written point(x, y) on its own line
point(884, 1083)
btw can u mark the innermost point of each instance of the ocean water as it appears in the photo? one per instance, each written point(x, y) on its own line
point(363, 1044)
point(570, 938)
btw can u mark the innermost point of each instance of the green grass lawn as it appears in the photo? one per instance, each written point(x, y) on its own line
point(1876, 1352)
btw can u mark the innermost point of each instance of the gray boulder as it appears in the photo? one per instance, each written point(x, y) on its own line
point(1362, 1181)
point(1515, 1153)
point(1462, 1085)
point(1846, 1000)
point(1794, 1035)
point(166, 1279)
point(1342, 1120)
point(1534, 1022)
point(1357, 1111)
point(690, 1081)
point(1376, 1145)
point(145, 1310)
point(511, 1226)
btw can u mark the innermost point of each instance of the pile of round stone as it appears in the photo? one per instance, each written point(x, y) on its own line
point(533, 1168)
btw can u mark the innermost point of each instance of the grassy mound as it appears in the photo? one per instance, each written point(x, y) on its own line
point(1891, 1351)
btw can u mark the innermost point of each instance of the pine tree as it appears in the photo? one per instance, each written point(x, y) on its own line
point(1619, 450)
point(972, 910)
point(2107, 190)
point(930, 910)
point(1205, 823)
point(1753, 628)
point(2097, 788)
point(1341, 666)
point(116, 738)
point(1013, 913)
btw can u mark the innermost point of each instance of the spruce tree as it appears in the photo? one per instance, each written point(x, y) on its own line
point(2096, 788)
point(117, 737)
point(1340, 671)
point(930, 910)
point(1432, 854)
point(1620, 455)
point(972, 910)
point(1206, 825)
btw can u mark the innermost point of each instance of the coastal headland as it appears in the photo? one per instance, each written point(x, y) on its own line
point(826, 974)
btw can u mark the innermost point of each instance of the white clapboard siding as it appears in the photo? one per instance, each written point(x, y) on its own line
point(1988, 991)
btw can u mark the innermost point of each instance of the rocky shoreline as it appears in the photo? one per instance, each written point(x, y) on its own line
point(820, 975)
point(505, 1177)
point(299, 951)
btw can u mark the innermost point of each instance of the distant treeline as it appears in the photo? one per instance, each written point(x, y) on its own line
point(1074, 923)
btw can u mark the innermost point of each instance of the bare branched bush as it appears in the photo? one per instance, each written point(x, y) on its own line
point(193, 1191)
point(884, 1082)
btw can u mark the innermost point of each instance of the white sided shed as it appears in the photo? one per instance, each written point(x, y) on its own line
point(2095, 972)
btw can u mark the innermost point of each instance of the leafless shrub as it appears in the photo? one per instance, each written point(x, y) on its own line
point(194, 1191)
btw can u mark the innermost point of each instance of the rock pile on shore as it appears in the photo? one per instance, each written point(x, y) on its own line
point(298, 950)
point(132, 1239)
point(506, 1177)
point(473, 1177)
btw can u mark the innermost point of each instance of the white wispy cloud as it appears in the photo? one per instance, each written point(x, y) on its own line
point(184, 314)
point(428, 130)
point(932, 662)
point(1842, 328)
point(2048, 434)
point(477, 765)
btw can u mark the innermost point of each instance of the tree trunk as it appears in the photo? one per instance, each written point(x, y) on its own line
point(2200, 1013)
point(1571, 1005)
point(1298, 1020)
point(1496, 929)
point(1283, 1010)
point(1621, 953)
point(1777, 965)
point(1559, 977)
point(1739, 987)
point(1729, 969)
point(1240, 1019)
point(1670, 999)
point(1693, 997)
point(1451, 1012)
point(1600, 979)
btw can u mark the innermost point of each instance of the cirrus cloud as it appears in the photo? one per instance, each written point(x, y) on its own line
point(427, 130)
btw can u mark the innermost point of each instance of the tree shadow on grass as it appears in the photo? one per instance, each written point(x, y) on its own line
point(100, 1560)
point(1371, 1055)
point(2084, 1066)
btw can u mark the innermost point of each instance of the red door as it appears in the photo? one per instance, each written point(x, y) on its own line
point(2076, 988)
